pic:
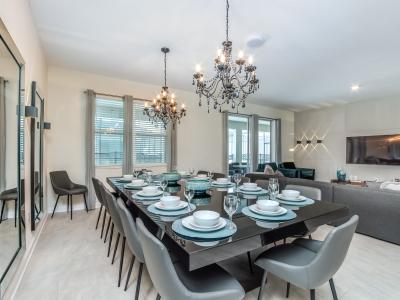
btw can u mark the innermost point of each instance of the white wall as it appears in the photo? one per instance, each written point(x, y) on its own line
point(199, 141)
point(333, 125)
point(16, 16)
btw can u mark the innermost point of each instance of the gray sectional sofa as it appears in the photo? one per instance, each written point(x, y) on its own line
point(379, 210)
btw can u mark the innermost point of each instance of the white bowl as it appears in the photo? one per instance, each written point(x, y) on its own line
point(151, 189)
point(170, 201)
point(202, 176)
point(128, 176)
point(137, 182)
point(290, 194)
point(222, 180)
point(182, 173)
point(250, 185)
point(206, 218)
point(267, 205)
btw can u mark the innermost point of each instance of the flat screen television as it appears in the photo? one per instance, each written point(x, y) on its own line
point(373, 150)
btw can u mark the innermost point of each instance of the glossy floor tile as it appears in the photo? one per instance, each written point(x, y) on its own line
point(70, 263)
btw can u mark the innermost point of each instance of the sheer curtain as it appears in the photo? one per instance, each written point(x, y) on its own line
point(127, 166)
point(2, 134)
point(90, 161)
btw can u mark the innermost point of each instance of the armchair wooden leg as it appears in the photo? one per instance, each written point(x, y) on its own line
point(332, 284)
point(115, 248)
point(312, 294)
point(129, 272)
point(121, 260)
point(287, 289)
point(84, 200)
point(98, 218)
point(2, 211)
point(263, 283)
point(71, 206)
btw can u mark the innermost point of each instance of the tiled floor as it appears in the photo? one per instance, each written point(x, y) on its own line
point(70, 263)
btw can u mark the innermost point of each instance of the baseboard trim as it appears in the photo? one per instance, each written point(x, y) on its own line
point(12, 288)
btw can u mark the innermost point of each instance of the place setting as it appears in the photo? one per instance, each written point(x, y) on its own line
point(136, 184)
point(251, 188)
point(293, 199)
point(149, 193)
point(172, 206)
point(268, 210)
point(125, 179)
point(208, 224)
point(222, 183)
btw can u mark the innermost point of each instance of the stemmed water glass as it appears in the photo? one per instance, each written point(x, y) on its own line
point(136, 173)
point(149, 177)
point(163, 184)
point(237, 177)
point(231, 205)
point(273, 188)
point(210, 174)
point(191, 172)
point(189, 194)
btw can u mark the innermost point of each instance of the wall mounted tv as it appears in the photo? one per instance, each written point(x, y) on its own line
point(373, 150)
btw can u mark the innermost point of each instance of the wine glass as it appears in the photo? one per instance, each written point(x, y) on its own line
point(210, 174)
point(237, 177)
point(189, 194)
point(231, 205)
point(191, 172)
point(163, 184)
point(273, 188)
point(149, 177)
point(136, 173)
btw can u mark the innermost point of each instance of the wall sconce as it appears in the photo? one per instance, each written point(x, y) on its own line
point(47, 125)
point(31, 112)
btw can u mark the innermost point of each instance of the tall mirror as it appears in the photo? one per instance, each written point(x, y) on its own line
point(11, 153)
point(37, 156)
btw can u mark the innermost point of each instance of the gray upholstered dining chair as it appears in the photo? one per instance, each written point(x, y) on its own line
point(306, 191)
point(173, 281)
point(308, 263)
point(9, 195)
point(242, 180)
point(63, 186)
point(117, 225)
point(103, 204)
point(132, 237)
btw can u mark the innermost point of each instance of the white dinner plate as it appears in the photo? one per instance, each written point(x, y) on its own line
point(298, 199)
point(221, 183)
point(188, 222)
point(281, 211)
point(135, 186)
point(156, 193)
point(256, 189)
point(180, 206)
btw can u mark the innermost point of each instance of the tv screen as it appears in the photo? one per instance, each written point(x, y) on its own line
point(373, 150)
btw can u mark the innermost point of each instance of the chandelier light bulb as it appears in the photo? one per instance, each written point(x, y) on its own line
point(219, 52)
point(158, 96)
point(173, 95)
point(240, 55)
point(198, 68)
point(250, 60)
point(145, 105)
point(183, 105)
point(222, 58)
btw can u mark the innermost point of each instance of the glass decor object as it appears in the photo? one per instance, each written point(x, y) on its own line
point(234, 79)
point(164, 106)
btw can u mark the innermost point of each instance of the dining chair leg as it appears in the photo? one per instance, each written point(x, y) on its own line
point(287, 289)
point(115, 248)
point(129, 272)
point(312, 294)
point(2, 211)
point(55, 205)
point(98, 218)
point(139, 281)
point(250, 262)
point(263, 283)
point(104, 222)
point(84, 200)
point(310, 237)
point(121, 261)
point(158, 297)
point(67, 204)
point(332, 284)
point(108, 227)
point(110, 241)
point(71, 206)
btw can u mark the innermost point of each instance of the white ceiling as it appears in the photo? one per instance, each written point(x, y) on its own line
point(315, 49)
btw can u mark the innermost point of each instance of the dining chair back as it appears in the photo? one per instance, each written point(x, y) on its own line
point(218, 175)
point(332, 253)
point(97, 190)
point(130, 230)
point(159, 264)
point(306, 191)
point(112, 208)
point(60, 182)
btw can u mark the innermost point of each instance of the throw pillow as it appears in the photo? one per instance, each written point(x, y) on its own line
point(268, 170)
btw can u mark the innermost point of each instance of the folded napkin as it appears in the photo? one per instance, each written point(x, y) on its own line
point(390, 185)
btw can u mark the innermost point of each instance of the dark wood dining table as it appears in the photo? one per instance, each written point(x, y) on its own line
point(251, 235)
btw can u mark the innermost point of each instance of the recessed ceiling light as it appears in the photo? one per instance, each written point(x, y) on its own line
point(255, 41)
point(355, 87)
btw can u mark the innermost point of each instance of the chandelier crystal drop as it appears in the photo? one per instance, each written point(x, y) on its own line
point(163, 108)
point(233, 81)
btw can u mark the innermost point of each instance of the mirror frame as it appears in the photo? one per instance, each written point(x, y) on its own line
point(6, 39)
point(34, 213)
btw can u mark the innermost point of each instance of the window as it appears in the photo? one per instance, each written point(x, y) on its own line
point(232, 145)
point(264, 141)
point(149, 139)
point(109, 128)
point(245, 145)
point(238, 143)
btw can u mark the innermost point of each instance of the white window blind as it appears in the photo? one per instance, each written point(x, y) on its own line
point(149, 139)
point(109, 128)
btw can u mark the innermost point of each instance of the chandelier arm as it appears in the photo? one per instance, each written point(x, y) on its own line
point(227, 20)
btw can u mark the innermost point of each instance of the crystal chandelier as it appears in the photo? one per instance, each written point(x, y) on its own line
point(234, 79)
point(163, 108)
